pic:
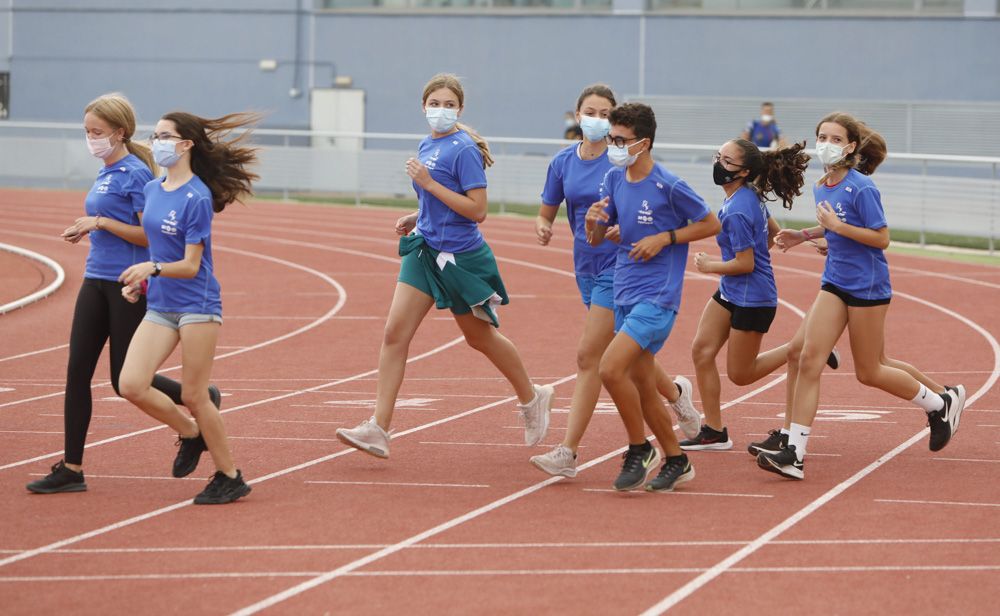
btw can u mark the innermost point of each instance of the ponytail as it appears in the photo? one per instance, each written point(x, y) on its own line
point(144, 154)
point(484, 148)
point(776, 174)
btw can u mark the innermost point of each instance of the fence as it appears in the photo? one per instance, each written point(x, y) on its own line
point(925, 193)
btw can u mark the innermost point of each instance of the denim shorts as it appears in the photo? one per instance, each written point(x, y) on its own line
point(646, 323)
point(597, 289)
point(177, 320)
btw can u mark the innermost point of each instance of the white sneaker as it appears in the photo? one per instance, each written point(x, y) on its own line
point(688, 417)
point(559, 461)
point(368, 436)
point(536, 414)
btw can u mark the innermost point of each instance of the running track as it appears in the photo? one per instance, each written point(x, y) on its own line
point(457, 521)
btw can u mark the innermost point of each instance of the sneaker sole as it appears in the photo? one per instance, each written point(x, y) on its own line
point(374, 451)
point(709, 446)
point(243, 491)
point(649, 470)
point(771, 467)
point(960, 390)
point(561, 472)
point(686, 477)
point(76, 487)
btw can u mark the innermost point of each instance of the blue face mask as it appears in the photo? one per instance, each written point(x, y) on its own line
point(620, 156)
point(594, 129)
point(165, 153)
point(441, 119)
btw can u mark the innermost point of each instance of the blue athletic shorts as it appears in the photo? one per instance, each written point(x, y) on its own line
point(598, 290)
point(648, 324)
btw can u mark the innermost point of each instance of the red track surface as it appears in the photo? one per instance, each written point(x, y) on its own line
point(457, 521)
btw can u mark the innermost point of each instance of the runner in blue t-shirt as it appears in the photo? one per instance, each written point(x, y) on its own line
point(855, 294)
point(575, 176)
point(113, 225)
point(447, 263)
point(184, 303)
point(658, 215)
point(741, 311)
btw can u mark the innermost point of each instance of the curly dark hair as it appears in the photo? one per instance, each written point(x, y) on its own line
point(640, 118)
point(775, 174)
point(221, 163)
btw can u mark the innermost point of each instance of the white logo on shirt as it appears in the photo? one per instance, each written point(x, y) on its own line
point(105, 183)
point(658, 185)
point(841, 214)
point(431, 163)
point(848, 189)
point(169, 226)
point(645, 216)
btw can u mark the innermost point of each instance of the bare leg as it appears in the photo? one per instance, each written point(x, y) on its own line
point(653, 412)
point(867, 331)
point(197, 355)
point(743, 363)
point(824, 325)
point(150, 347)
point(598, 332)
point(713, 331)
point(615, 370)
point(486, 339)
point(409, 307)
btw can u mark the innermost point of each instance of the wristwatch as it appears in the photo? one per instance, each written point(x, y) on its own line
point(157, 268)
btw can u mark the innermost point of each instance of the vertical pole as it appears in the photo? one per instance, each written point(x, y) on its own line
point(284, 185)
point(923, 201)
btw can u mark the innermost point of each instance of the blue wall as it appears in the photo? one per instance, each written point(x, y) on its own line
point(521, 72)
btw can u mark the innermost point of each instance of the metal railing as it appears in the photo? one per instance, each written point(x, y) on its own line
point(924, 193)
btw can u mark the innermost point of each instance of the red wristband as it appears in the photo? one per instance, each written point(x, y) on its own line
point(805, 232)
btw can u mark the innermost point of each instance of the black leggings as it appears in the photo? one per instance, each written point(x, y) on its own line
point(101, 313)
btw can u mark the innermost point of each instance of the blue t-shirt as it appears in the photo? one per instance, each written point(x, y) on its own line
point(456, 163)
point(744, 225)
point(763, 134)
point(860, 270)
point(658, 203)
point(116, 194)
point(578, 182)
point(172, 220)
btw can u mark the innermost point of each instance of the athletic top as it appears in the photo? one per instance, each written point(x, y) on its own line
point(578, 182)
point(744, 220)
point(860, 270)
point(116, 194)
point(658, 203)
point(763, 134)
point(172, 220)
point(456, 163)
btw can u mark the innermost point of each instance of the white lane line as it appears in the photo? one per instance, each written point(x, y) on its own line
point(164, 510)
point(49, 289)
point(405, 484)
point(341, 300)
point(688, 493)
point(440, 528)
point(930, 502)
point(510, 546)
point(490, 573)
point(967, 460)
point(728, 563)
point(144, 477)
point(300, 421)
point(38, 352)
point(282, 438)
point(542, 446)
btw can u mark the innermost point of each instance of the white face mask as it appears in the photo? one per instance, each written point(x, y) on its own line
point(441, 119)
point(829, 153)
point(594, 129)
point(620, 157)
point(766, 118)
point(101, 148)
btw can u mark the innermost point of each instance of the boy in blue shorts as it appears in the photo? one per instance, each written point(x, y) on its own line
point(658, 214)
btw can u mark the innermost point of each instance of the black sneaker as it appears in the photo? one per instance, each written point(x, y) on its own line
point(640, 460)
point(221, 489)
point(774, 442)
point(61, 479)
point(784, 463)
point(708, 438)
point(188, 455)
point(215, 396)
point(834, 359)
point(677, 469)
point(944, 423)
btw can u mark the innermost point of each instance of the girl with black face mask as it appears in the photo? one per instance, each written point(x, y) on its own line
point(742, 310)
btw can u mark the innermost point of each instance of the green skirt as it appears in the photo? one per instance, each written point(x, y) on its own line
point(463, 282)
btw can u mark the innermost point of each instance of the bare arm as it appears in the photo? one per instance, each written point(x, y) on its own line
point(596, 222)
point(185, 268)
point(651, 245)
point(132, 234)
point(876, 238)
point(543, 223)
point(741, 264)
point(772, 231)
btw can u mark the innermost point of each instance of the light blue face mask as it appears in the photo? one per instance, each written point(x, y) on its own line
point(620, 157)
point(441, 119)
point(165, 153)
point(594, 129)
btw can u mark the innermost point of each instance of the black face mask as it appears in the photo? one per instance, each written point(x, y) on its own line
point(721, 175)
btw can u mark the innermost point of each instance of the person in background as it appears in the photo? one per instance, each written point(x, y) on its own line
point(763, 131)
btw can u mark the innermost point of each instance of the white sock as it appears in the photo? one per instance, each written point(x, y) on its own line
point(797, 436)
point(928, 400)
point(785, 431)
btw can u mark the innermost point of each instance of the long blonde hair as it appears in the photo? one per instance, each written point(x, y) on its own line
point(117, 111)
point(450, 81)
